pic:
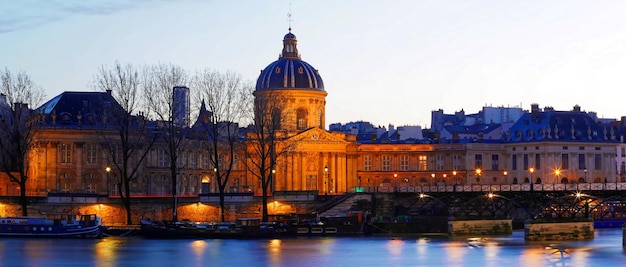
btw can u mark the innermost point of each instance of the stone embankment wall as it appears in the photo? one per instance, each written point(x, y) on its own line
point(115, 213)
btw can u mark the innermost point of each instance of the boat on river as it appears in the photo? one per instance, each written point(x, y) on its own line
point(244, 228)
point(52, 226)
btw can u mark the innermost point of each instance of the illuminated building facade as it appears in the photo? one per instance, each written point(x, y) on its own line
point(540, 146)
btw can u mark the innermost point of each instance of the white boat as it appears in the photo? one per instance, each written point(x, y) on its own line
point(52, 225)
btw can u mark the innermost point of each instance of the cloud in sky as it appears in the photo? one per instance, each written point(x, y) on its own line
point(24, 14)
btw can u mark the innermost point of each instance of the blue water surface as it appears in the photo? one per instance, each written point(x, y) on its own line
point(605, 250)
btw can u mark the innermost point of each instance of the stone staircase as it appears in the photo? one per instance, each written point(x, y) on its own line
point(347, 205)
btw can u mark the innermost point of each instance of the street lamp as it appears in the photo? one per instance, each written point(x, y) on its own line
point(395, 181)
point(478, 173)
point(505, 173)
point(433, 180)
point(454, 177)
point(215, 176)
point(531, 170)
point(108, 170)
point(585, 175)
point(325, 179)
point(557, 173)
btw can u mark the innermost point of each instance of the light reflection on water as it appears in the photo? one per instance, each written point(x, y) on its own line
point(605, 249)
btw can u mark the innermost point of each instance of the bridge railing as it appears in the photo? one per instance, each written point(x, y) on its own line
point(497, 188)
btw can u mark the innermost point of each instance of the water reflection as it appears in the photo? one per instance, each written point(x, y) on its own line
point(605, 249)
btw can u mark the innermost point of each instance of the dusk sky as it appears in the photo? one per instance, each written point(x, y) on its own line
point(387, 62)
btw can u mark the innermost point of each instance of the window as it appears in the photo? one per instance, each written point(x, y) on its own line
point(386, 163)
point(439, 162)
point(162, 158)
point(581, 162)
point(65, 184)
point(193, 160)
point(302, 118)
point(478, 161)
point(116, 153)
point(423, 163)
point(319, 119)
point(597, 160)
point(276, 117)
point(537, 161)
point(235, 162)
point(514, 162)
point(404, 162)
point(525, 163)
point(367, 163)
point(495, 162)
point(66, 153)
point(564, 161)
point(205, 161)
point(456, 162)
point(90, 183)
point(622, 169)
point(91, 153)
point(623, 151)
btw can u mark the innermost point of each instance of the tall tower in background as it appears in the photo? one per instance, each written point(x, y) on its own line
point(180, 106)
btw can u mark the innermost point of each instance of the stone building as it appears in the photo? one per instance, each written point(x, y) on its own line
point(542, 146)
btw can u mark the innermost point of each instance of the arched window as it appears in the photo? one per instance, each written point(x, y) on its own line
point(90, 183)
point(276, 119)
point(301, 119)
point(65, 184)
point(320, 121)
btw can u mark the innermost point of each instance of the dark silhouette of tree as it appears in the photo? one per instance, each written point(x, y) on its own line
point(18, 126)
point(225, 99)
point(162, 87)
point(126, 138)
point(266, 141)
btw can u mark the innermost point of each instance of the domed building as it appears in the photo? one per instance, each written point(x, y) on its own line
point(290, 96)
point(291, 78)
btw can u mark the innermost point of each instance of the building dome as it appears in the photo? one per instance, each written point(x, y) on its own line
point(289, 71)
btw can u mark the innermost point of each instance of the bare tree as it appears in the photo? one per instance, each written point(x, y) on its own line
point(225, 97)
point(126, 138)
point(18, 125)
point(165, 96)
point(266, 141)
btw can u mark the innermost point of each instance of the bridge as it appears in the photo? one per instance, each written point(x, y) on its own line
point(605, 203)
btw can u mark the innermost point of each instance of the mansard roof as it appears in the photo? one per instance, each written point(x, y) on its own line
point(80, 108)
point(559, 126)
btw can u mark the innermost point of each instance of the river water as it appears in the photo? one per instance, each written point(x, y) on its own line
point(605, 250)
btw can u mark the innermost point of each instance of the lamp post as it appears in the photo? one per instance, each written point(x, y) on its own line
point(478, 173)
point(532, 194)
point(454, 177)
point(325, 179)
point(557, 174)
point(585, 175)
point(215, 176)
point(505, 173)
point(395, 181)
point(455, 181)
point(108, 170)
point(432, 175)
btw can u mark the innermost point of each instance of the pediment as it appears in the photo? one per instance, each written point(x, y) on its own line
point(319, 135)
